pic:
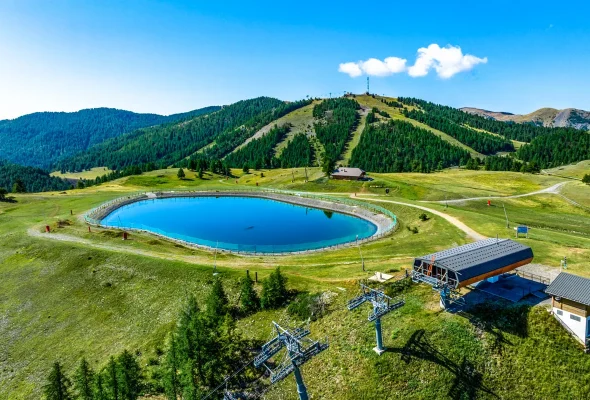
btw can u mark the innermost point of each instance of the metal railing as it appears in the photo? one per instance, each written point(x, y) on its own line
point(95, 216)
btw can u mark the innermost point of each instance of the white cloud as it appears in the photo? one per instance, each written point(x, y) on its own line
point(446, 61)
point(374, 67)
point(351, 69)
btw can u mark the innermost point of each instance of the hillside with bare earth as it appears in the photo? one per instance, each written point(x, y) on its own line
point(549, 117)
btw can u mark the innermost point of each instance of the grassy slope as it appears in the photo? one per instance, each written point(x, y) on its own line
point(91, 174)
point(301, 119)
point(371, 102)
point(63, 299)
point(576, 171)
point(355, 139)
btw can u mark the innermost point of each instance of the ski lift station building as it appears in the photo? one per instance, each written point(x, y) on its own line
point(464, 265)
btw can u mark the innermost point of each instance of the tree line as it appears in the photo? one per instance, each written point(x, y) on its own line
point(559, 148)
point(398, 146)
point(337, 120)
point(230, 139)
point(203, 348)
point(481, 142)
point(298, 153)
point(259, 153)
point(166, 144)
point(20, 179)
point(42, 139)
point(525, 132)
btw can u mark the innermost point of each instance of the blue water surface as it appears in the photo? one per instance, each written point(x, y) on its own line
point(241, 223)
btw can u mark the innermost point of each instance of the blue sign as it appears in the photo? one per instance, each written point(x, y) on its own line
point(522, 229)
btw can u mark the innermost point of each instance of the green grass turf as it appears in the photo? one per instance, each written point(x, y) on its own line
point(98, 295)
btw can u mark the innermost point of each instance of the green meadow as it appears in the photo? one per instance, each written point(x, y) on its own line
point(73, 293)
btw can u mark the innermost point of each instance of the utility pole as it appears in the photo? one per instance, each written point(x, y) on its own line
point(382, 305)
point(299, 349)
point(293, 175)
point(360, 252)
point(215, 259)
point(506, 215)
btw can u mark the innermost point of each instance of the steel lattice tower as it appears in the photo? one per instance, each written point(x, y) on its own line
point(299, 350)
point(382, 304)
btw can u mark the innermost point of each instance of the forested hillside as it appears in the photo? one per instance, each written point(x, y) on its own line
point(563, 147)
point(398, 146)
point(337, 120)
point(510, 130)
point(42, 139)
point(298, 153)
point(259, 153)
point(230, 139)
point(481, 142)
point(18, 178)
point(167, 144)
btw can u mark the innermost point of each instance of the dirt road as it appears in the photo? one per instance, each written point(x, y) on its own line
point(454, 221)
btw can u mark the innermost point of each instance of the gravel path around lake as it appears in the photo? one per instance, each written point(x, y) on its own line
point(472, 234)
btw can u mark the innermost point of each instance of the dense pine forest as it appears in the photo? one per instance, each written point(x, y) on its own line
point(479, 141)
point(167, 144)
point(338, 119)
point(42, 139)
point(298, 153)
point(398, 146)
point(18, 178)
point(510, 130)
point(229, 140)
point(563, 147)
point(259, 153)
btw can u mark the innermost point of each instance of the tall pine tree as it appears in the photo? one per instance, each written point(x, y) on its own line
point(58, 384)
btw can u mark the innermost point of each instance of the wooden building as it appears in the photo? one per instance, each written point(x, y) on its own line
point(570, 300)
point(352, 174)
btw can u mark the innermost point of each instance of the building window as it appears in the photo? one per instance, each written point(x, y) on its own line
point(559, 312)
point(575, 317)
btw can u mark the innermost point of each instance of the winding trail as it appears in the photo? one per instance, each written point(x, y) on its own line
point(550, 190)
point(454, 221)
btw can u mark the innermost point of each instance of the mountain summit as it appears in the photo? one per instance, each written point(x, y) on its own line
point(549, 117)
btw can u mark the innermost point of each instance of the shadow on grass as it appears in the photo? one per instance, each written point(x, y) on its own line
point(498, 319)
point(468, 381)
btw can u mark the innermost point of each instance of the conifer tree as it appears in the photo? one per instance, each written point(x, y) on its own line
point(84, 381)
point(248, 296)
point(217, 303)
point(180, 174)
point(58, 384)
point(128, 376)
point(19, 186)
point(274, 290)
point(111, 381)
point(170, 370)
point(100, 392)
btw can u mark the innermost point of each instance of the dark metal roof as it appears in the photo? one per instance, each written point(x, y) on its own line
point(571, 287)
point(480, 257)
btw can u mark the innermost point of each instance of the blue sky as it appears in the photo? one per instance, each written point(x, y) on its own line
point(167, 57)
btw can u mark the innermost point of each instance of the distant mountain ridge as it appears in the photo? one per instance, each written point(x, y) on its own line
point(548, 117)
point(41, 139)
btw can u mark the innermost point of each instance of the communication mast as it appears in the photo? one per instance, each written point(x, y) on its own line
point(368, 92)
point(382, 305)
point(299, 350)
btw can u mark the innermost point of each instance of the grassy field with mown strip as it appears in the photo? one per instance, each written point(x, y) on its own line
point(72, 293)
